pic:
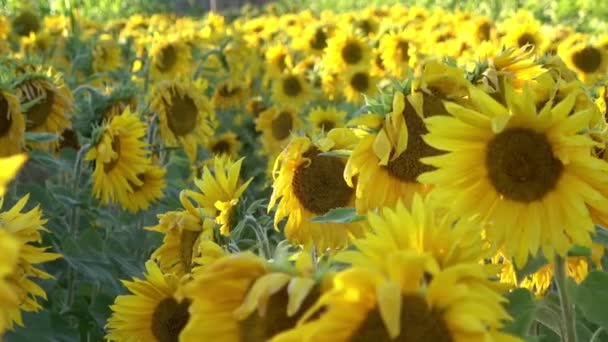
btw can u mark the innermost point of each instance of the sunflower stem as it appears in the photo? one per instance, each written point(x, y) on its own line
point(76, 174)
point(569, 322)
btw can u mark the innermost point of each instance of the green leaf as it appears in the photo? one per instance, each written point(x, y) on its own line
point(579, 251)
point(601, 235)
point(522, 307)
point(591, 298)
point(40, 137)
point(339, 215)
point(533, 265)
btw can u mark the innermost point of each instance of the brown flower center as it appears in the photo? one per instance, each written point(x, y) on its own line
point(327, 125)
point(588, 60)
point(403, 48)
point(282, 125)
point(167, 58)
point(526, 38)
point(407, 167)
point(227, 91)
point(352, 53)
point(169, 319)
point(6, 119)
point(292, 86)
point(319, 185)
point(186, 247)
point(25, 23)
point(360, 82)
point(261, 329)
point(319, 40)
point(418, 323)
point(181, 114)
point(221, 147)
point(40, 111)
point(484, 31)
point(521, 165)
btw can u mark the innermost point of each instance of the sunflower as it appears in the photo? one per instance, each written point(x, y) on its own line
point(255, 106)
point(346, 50)
point(115, 103)
point(276, 125)
point(10, 166)
point(398, 52)
point(170, 58)
point(140, 197)
point(12, 124)
point(239, 298)
point(120, 157)
point(308, 184)
point(51, 103)
point(425, 229)
point(292, 89)
point(220, 192)
point(151, 312)
point(229, 94)
point(359, 83)
point(227, 144)
point(278, 59)
point(325, 119)
point(8, 298)
point(26, 22)
point(25, 228)
point(413, 301)
point(522, 30)
point(185, 116)
point(107, 54)
point(590, 62)
point(516, 166)
point(386, 164)
point(313, 39)
point(183, 231)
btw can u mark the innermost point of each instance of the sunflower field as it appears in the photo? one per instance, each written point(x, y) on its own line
point(322, 171)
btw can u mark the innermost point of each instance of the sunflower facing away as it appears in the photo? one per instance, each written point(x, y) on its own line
point(239, 298)
point(152, 312)
point(12, 124)
point(517, 166)
point(308, 184)
point(120, 157)
point(185, 116)
point(25, 228)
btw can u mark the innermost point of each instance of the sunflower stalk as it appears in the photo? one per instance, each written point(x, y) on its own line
point(76, 174)
point(567, 307)
point(261, 235)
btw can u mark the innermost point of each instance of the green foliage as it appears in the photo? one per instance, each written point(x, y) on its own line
point(339, 215)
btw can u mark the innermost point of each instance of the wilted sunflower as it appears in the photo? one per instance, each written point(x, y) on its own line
point(120, 157)
point(590, 62)
point(12, 124)
point(325, 119)
point(276, 125)
point(517, 166)
point(291, 89)
point(140, 197)
point(308, 184)
point(183, 232)
point(170, 58)
point(239, 298)
point(359, 83)
point(346, 50)
point(398, 52)
point(8, 298)
point(107, 54)
point(25, 228)
point(220, 192)
point(185, 116)
point(227, 144)
point(229, 94)
point(413, 300)
point(9, 167)
point(151, 312)
point(49, 103)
